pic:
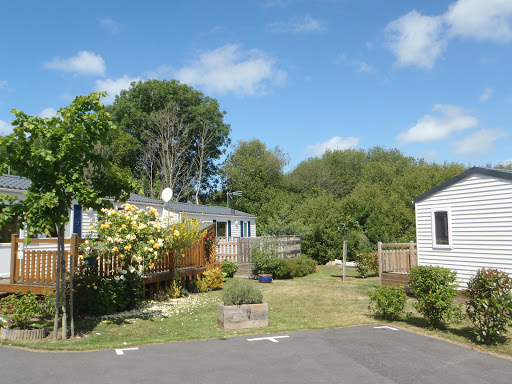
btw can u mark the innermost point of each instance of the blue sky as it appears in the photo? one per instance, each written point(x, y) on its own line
point(431, 78)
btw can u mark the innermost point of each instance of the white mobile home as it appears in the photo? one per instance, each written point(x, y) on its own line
point(229, 222)
point(466, 223)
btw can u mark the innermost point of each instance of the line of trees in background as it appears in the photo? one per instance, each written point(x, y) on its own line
point(374, 186)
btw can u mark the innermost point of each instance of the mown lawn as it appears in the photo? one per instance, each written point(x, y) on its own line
point(318, 301)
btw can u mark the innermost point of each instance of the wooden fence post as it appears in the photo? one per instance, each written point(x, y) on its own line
point(14, 257)
point(412, 259)
point(379, 247)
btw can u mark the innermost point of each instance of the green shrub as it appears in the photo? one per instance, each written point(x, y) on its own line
point(435, 288)
point(18, 309)
point(242, 292)
point(490, 304)
point(229, 268)
point(102, 296)
point(367, 264)
point(265, 260)
point(387, 302)
point(213, 278)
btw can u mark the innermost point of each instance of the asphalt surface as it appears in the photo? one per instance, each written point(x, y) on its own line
point(363, 354)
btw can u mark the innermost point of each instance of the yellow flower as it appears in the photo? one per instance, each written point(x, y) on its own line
point(91, 226)
point(128, 247)
point(133, 223)
point(176, 233)
point(115, 249)
point(123, 226)
point(152, 241)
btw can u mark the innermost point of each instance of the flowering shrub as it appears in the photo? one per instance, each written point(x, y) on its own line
point(18, 309)
point(490, 304)
point(209, 247)
point(213, 276)
point(138, 239)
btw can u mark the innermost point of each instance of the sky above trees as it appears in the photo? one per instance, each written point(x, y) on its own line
point(430, 78)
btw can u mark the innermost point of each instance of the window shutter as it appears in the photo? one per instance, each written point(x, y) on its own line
point(77, 219)
point(229, 228)
point(248, 229)
point(241, 229)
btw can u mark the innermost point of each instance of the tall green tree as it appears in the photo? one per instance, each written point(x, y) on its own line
point(58, 155)
point(138, 112)
point(256, 171)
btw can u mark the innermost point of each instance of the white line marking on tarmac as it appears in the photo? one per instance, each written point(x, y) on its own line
point(272, 339)
point(121, 351)
point(386, 327)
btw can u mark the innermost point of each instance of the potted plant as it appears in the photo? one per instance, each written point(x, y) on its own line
point(265, 262)
point(89, 251)
point(243, 307)
point(18, 310)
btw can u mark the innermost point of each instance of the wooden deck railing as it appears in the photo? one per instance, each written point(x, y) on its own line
point(35, 266)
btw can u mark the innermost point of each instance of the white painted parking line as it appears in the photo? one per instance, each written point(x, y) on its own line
point(272, 339)
point(386, 327)
point(121, 351)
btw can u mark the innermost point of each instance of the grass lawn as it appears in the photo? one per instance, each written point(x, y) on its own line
point(318, 301)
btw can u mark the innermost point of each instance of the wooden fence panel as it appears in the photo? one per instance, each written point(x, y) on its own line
point(395, 261)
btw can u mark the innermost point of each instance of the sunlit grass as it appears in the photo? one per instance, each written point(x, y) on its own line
point(317, 301)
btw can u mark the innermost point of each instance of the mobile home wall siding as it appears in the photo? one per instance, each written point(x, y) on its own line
point(481, 226)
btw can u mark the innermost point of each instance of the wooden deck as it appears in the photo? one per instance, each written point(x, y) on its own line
point(33, 268)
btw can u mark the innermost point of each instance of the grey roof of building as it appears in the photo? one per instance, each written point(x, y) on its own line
point(22, 183)
point(493, 172)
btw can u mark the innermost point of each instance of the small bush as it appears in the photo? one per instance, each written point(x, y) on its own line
point(265, 260)
point(388, 303)
point(367, 264)
point(213, 278)
point(435, 288)
point(490, 304)
point(229, 268)
point(18, 309)
point(242, 292)
point(98, 296)
point(296, 267)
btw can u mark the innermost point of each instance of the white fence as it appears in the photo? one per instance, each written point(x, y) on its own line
point(5, 260)
point(238, 249)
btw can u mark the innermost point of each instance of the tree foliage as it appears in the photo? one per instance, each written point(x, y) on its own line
point(203, 136)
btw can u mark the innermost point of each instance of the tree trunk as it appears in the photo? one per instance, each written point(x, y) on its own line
point(57, 295)
point(63, 296)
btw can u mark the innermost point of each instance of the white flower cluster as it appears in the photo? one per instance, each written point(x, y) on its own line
point(151, 309)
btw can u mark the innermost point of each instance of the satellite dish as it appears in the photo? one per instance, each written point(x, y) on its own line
point(167, 194)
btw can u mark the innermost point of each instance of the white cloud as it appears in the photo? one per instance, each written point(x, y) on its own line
point(48, 112)
point(114, 86)
point(480, 142)
point(5, 128)
point(336, 143)
point(299, 25)
point(486, 94)
point(3, 84)
point(84, 63)
point(481, 20)
point(416, 40)
point(110, 25)
point(360, 66)
point(430, 128)
point(229, 69)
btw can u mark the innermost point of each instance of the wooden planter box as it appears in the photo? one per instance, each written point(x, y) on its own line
point(22, 334)
point(242, 316)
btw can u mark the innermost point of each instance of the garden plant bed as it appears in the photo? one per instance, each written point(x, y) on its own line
point(317, 301)
point(242, 316)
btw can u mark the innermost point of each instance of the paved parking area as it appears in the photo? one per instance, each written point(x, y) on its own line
point(363, 354)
